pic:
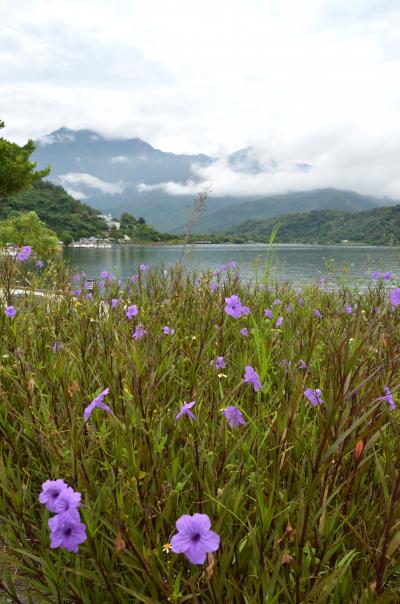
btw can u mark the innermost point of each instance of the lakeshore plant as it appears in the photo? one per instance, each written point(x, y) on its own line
point(133, 470)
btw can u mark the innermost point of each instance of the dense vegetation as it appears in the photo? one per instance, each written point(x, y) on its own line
point(17, 171)
point(138, 230)
point(377, 226)
point(69, 218)
point(304, 497)
point(27, 229)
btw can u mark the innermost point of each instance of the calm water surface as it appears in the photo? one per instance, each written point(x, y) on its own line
point(294, 262)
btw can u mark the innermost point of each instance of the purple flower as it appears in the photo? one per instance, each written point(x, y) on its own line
point(194, 539)
point(104, 274)
point(76, 277)
point(376, 275)
point(233, 307)
point(349, 309)
point(246, 310)
point(76, 293)
point(213, 285)
point(289, 308)
point(185, 410)
point(244, 331)
point(234, 416)
point(51, 490)
point(313, 396)
point(317, 313)
point(276, 302)
point(303, 364)
point(97, 402)
point(101, 284)
point(377, 310)
point(301, 301)
point(279, 322)
point(40, 264)
point(144, 268)
point(24, 254)
point(89, 296)
point(219, 363)
point(268, 313)
point(252, 377)
point(132, 311)
point(395, 297)
point(67, 502)
point(57, 346)
point(114, 303)
point(387, 276)
point(134, 278)
point(67, 531)
point(138, 333)
point(168, 330)
point(10, 311)
point(232, 264)
point(388, 397)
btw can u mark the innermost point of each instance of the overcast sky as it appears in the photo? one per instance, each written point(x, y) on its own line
point(314, 81)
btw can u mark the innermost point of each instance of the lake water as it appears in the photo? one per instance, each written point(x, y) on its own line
point(294, 262)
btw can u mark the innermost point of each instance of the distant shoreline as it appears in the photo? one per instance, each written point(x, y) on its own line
point(231, 243)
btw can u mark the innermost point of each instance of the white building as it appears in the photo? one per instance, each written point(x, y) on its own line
point(110, 222)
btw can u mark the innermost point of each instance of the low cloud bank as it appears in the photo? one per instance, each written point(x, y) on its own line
point(76, 179)
point(363, 163)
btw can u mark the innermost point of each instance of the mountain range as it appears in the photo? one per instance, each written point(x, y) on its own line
point(124, 175)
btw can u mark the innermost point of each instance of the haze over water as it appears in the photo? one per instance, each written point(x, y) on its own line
point(294, 262)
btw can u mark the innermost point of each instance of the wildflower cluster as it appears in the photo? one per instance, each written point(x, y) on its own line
point(24, 254)
point(66, 529)
point(234, 307)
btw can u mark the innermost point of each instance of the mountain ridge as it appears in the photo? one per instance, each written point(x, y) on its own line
point(119, 175)
point(378, 226)
point(273, 206)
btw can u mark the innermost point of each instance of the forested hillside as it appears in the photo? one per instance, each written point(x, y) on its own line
point(377, 226)
point(69, 218)
point(277, 205)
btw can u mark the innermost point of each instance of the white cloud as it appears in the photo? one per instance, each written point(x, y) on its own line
point(360, 162)
point(91, 182)
point(50, 139)
point(315, 81)
point(119, 159)
point(75, 193)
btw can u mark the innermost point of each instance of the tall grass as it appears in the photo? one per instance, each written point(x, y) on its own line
point(305, 499)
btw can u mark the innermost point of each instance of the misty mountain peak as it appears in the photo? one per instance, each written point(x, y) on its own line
point(117, 175)
point(89, 137)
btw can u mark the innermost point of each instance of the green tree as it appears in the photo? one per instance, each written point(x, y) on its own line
point(128, 222)
point(27, 229)
point(17, 172)
point(67, 237)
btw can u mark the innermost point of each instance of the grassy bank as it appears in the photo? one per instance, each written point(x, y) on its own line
point(304, 497)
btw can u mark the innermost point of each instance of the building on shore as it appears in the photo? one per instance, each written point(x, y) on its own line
point(110, 221)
